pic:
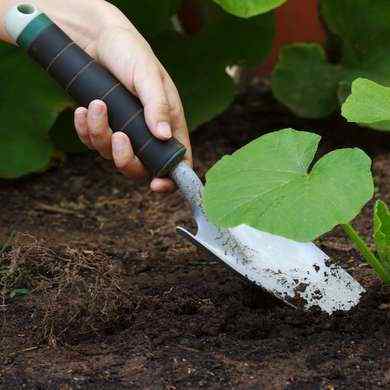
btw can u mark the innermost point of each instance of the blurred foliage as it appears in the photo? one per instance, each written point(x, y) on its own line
point(313, 87)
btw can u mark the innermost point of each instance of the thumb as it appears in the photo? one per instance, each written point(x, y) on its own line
point(149, 86)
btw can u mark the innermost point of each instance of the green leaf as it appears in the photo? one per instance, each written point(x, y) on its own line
point(362, 28)
point(151, 17)
point(305, 82)
point(29, 105)
point(19, 292)
point(368, 104)
point(199, 71)
point(248, 8)
point(382, 234)
point(63, 135)
point(267, 185)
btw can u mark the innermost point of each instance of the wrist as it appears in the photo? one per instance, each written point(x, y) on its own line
point(82, 20)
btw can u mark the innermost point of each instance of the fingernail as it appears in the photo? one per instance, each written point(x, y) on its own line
point(81, 111)
point(164, 129)
point(97, 109)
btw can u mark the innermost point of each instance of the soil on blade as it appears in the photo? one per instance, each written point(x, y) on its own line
point(106, 295)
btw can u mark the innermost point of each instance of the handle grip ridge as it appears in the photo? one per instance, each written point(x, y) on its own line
point(85, 80)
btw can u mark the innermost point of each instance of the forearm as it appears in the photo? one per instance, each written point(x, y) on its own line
point(81, 19)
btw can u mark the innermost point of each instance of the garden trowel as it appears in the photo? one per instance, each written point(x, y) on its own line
point(298, 273)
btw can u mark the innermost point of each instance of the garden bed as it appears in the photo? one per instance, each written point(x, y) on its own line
point(118, 300)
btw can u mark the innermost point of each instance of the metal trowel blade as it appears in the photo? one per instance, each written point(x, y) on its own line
point(300, 274)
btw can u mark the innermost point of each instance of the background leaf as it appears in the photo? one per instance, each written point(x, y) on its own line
point(63, 135)
point(29, 105)
point(151, 17)
point(248, 8)
point(362, 28)
point(266, 185)
point(305, 82)
point(198, 63)
point(369, 103)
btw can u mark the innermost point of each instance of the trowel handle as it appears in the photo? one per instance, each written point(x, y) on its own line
point(85, 80)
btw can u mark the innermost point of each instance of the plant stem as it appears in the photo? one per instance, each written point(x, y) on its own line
point(365, 251)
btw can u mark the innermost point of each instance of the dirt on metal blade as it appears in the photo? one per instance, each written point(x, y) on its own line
point(298, 273)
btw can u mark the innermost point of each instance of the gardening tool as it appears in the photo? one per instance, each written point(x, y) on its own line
point(298, 273)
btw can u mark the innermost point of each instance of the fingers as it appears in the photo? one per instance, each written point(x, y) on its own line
point(131, 59)
point(149, 87)
point(81, 125)
point(177, 116)
point(128, 56)
point(99, 129)
point(93, 129)
point(124, 157)
point(179, 128)
point(162, 185)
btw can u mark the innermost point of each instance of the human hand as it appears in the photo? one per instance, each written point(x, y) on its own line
point(109, 37)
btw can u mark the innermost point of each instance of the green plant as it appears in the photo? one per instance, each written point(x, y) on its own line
point(268, 185)
point(314, 87)
point(36, 121)
point(368, 104)
point(382, 236)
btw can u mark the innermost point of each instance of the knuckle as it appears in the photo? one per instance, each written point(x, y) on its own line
point(162, 107)
point(144, 71)
point(98, 131)
point(177, 113)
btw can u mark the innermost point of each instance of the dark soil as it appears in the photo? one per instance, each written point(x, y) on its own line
point(117, 300)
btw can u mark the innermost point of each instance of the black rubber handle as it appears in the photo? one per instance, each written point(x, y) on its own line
point(85, 80)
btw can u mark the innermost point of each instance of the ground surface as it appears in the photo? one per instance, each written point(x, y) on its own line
point(117, 300)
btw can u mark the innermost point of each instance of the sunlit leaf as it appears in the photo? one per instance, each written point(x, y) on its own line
point(369, 103)
point(268, 185)
point(248, 8)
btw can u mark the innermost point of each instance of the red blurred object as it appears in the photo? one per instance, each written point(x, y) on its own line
point(190, 15)
point(296, 21)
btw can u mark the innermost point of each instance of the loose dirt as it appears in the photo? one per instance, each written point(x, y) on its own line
point(116, 300)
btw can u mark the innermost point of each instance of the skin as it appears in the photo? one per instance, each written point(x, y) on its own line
point(108, 36)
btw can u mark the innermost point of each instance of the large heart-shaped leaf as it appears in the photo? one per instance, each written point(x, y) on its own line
point(248, 8)
point(363, 31)
point(382, 235)
point(369, 103)
point(29, 105)
point(267, 185)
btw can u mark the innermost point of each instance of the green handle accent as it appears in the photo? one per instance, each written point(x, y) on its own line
point(33, 30)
